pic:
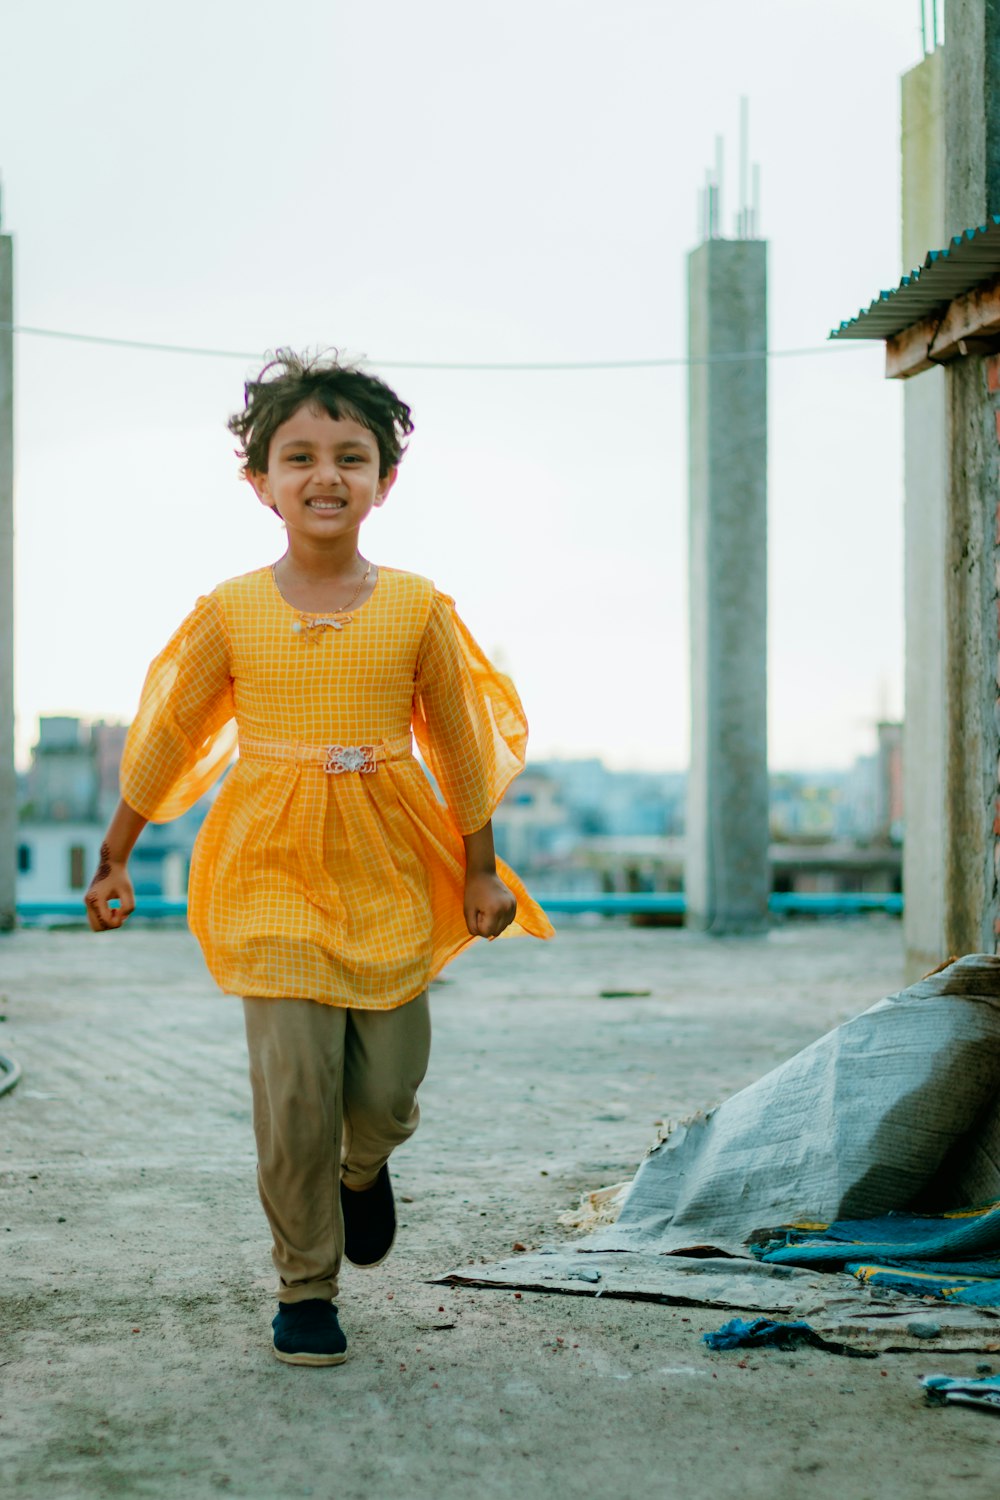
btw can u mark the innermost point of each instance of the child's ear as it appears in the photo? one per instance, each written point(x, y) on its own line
point(385, 484)
point(258, 483)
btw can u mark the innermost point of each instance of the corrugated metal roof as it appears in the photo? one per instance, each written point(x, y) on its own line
point(967, 260)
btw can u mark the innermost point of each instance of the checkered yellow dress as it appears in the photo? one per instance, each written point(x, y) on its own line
point(327, 868)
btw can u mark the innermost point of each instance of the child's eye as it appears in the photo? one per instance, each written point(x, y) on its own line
point(298, 458)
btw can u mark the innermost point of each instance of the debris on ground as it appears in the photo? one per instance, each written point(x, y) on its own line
point(762, 1333)
point(600, 1207)
point(941, 1389)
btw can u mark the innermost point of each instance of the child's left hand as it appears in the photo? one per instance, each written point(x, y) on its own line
point(490, 906)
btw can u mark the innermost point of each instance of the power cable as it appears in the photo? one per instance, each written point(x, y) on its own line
point(416, 364)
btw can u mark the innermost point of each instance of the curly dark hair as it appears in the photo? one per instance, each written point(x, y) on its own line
point(290, 380)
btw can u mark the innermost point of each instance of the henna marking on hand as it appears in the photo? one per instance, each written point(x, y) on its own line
point(102, 873)
point(90, 899)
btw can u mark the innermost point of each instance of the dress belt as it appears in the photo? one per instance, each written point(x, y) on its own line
point(334, 759)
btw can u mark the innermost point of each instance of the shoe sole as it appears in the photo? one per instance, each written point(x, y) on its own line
point(315, 1360)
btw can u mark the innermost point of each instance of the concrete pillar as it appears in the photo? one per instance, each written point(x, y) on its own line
point(8, 785)
point(727, 878)
point(925, 592)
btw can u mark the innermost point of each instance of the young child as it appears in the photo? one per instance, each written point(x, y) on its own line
point(328, 883)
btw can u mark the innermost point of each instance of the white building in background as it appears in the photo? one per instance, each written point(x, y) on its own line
point(56, 860)
point(70, 792)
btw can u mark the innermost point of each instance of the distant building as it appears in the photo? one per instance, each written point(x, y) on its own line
point(576, 827)
point(107, 741)
point(623, 803)
point(55, 861)
point(62, 782)
point(530, 825)
point(68, 795)
point(890, 782)
point(807, 807)
point(561, 818)
point(573, 826)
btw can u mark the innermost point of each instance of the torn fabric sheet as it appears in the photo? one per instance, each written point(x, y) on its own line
point(952, 1256)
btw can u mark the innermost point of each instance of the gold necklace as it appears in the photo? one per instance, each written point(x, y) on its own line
point(307, 623)
point(345, 607)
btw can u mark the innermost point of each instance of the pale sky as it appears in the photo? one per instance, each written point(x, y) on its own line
point(448, 181)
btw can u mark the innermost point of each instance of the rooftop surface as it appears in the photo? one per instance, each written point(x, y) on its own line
point(138, 1287)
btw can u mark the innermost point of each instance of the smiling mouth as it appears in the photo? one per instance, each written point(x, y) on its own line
point(328, 505)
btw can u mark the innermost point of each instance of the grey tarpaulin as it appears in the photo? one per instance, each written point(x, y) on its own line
point(898, 1106)
point(895, 1104)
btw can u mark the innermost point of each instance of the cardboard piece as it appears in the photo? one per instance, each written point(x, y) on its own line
point(675, 1279)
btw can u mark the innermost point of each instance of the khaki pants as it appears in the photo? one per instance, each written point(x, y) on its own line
point(334, 1092)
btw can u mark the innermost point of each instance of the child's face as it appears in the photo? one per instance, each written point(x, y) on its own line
point(322, 475)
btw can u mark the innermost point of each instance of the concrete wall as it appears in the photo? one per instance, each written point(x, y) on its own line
point(972, 192)
point(972, 113)
point(951, 182)
point(922, 140)
point(926, 483)
point(8, 788)
point(726, 874)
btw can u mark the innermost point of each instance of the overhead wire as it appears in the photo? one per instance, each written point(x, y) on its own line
point(200, 351)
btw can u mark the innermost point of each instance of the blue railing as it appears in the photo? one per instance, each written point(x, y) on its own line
point(673, 903)
point(147, 906)
point(618, 903)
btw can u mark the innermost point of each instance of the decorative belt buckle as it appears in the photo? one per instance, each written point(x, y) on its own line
point(359, 758)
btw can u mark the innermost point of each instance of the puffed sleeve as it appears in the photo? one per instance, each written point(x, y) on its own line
point(467, 719)
point(184, 734)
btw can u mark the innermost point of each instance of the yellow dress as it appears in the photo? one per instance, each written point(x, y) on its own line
point(327, 869)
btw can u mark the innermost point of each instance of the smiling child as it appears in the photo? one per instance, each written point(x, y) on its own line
point(328, 883)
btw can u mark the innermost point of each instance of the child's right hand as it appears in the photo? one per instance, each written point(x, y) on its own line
point(111, 881)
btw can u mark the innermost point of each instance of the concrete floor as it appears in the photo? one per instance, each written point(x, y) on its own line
point(135, 1352)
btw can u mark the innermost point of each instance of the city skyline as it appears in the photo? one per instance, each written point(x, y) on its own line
point(577, 828)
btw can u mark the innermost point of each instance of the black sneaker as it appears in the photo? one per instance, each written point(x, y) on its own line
point(307, 1333)
point(369, 1221)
